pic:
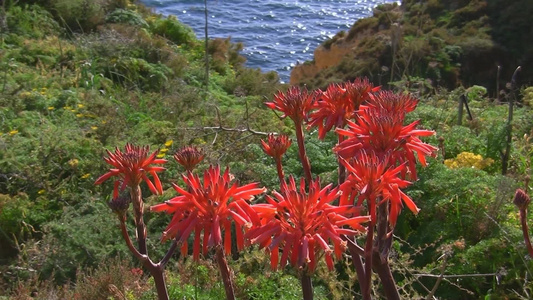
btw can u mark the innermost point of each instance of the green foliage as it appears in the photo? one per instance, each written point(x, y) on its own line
point(65, 248)
point(30, 21)
point(173, 30)
point(124, 16)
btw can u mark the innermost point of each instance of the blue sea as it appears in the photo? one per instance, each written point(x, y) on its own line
point(276, 34)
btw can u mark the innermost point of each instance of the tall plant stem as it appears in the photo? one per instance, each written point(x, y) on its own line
point(381, 254)
point(279, 168)
point(506, 155)
point(307, 286)
point(225, 272)
point(156, 270)
point(301, 151)
point(206, 49)
point(523, 221)
point(355, 252)
point(138, 211)
point(382, 268)
point(368, 262)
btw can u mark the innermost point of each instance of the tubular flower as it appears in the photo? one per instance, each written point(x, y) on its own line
point(276, 146)
point(189, 157)
point(132, 166)
point(370, 179)
point(360, 91)
point(210, 206)
point(295, 103)
point(393, 102)
point(380, 131)
point(338, 104)
point(304, 224)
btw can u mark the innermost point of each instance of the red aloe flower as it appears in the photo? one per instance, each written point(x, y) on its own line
point(132, 166)
point(210, 206)
point(371, 179)
point(304, 224)
point(338, 104)
point(189, 157)
point(381, 131)
point(295, 103)
point(393, 102)
point(360, 91)
point(276, 146)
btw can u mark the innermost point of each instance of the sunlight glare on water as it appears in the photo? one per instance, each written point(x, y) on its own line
point(276, 34)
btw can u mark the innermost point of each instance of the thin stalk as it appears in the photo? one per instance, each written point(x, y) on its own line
point(206, 49)
point(156, 270)
point(523, 221)
point(355, 252)
point(368, 262)
point(225, 273)
point(301, 151)
point(138, 210)
point(307, 286)
point(279, 167)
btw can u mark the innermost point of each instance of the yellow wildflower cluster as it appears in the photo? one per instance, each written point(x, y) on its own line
point(468, 160)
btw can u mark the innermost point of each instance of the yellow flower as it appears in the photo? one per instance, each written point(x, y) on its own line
point(40, 192)
point(13, 132)
point(67, 107)
point(51, 108)
point(73, 162)
point(168, 143)
point(79, 115)
point(161, 155)
point(94, 127)
point(81, 105)
point(85, 176)
point(164, 150)
point(468, 160)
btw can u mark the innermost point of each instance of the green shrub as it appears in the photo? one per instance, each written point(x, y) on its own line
point(173, 30)
point(124, 16)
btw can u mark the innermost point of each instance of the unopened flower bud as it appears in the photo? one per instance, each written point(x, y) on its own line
point(521, 199)
point(120, 204)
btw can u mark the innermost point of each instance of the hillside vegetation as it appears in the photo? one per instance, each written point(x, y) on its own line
point(438, 43)
point(79, 77)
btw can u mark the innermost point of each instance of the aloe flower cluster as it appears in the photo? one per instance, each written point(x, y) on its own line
point(376, 150)
point(304, 224)
point(301, 223)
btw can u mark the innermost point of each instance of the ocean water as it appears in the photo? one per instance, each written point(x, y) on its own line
point(276, 34)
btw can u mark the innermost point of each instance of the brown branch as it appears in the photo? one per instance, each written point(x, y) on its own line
point(431, 295)
point(455, 275)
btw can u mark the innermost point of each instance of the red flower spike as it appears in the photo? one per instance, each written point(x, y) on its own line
point(303, 224)
point(209, 205)
point(360, 91)
point(382, 132)
point(276, 146)
point(393, 102)
point(295, 103)
point(131, 167)
point(372, 179)
point(189, 157)
point(338, 104)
